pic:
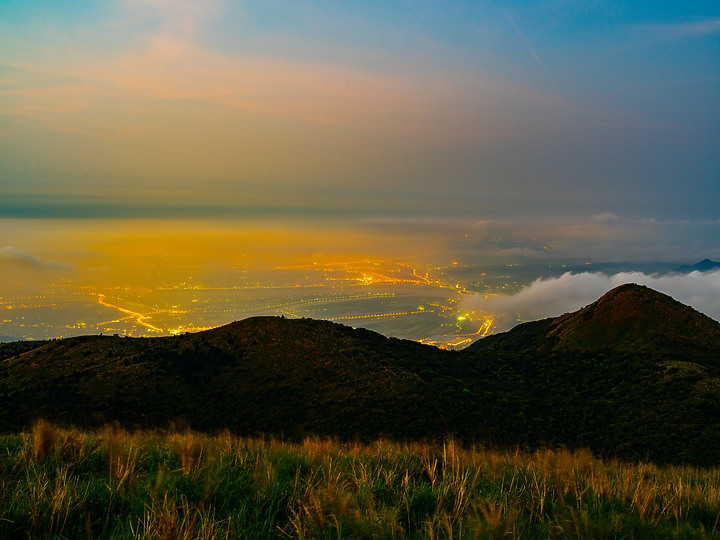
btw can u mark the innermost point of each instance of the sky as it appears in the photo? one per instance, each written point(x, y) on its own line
point(369, 107)
point(498, 131)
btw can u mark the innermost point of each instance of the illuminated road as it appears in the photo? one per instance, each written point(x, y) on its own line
point(376, 316)
point(140, 318)
point(458, 341)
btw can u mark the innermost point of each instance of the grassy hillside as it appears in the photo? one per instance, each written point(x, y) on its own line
point(635, 375)
point(116, 484)
point(628, 319)
point(633, 318)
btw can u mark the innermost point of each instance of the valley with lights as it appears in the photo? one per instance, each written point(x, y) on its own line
point(393, 298)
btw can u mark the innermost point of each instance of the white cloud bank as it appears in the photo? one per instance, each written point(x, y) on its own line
point(10, 255)
point(554, 296)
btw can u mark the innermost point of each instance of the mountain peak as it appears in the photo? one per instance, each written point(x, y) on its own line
point(635, 318)
point(703, 266)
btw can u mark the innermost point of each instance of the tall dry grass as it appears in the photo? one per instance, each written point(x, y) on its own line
point(63, 483)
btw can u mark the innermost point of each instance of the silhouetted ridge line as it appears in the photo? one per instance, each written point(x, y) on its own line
point(703, 266)
point(635, 374)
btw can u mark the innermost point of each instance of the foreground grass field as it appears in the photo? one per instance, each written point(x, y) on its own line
point(58, 483)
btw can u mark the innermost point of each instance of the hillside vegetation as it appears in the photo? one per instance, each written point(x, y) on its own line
point(635, 375)
point(111, 483)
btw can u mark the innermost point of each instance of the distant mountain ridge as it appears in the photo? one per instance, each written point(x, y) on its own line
point(703, 266)
point(635, 374)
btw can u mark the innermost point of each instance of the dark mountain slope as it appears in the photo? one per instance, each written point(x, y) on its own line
point(634, 375)
point(633, 318)
point(265, 374)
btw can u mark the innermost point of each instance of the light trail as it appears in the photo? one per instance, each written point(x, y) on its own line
point(183, 329)
point(460, 340)
point(121, 319)
point(139, 317)
point(378, 315)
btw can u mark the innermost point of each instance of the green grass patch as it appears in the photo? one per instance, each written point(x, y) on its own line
point(111, 483)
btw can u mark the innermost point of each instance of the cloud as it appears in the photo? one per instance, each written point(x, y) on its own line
point(687, 29)
point(12, 256)
point(605, 216)
point(153, 53)
point(179, 17)
point(554, 296)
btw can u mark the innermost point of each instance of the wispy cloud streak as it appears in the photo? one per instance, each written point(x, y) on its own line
point(521, 35)
point(685, 30)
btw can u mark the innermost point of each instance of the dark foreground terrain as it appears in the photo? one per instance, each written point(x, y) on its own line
point(635, 375)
